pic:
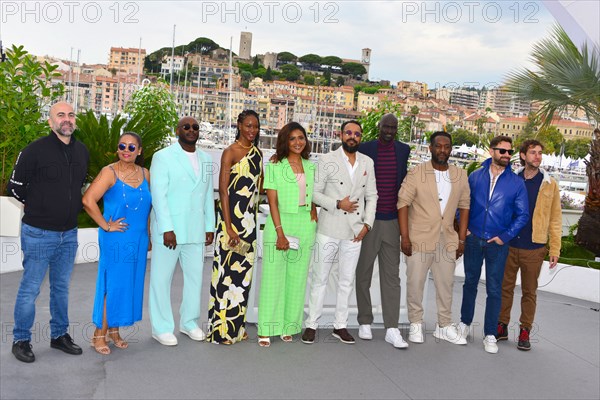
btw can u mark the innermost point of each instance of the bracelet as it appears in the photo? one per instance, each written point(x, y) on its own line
point(461, 241)
point(108, 228)
point(277, 227)
point(337, 204)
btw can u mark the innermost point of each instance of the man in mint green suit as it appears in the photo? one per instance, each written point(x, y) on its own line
point(182, 222)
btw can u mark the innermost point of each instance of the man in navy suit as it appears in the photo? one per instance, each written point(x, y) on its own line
point(383, 241)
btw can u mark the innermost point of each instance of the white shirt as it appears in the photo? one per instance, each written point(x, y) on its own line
point(444, 187)
point(493, 180)
point(194, 160)
point(351, 168)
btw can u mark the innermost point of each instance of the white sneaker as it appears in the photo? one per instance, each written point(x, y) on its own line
point(393, 336)
point(196, 334)
point(489, 344)
point(449, 333)
point(364, 332)
point(464, 330)
point(415, 334)
point(166, 339)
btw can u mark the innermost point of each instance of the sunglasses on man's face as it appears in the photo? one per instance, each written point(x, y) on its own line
point(356, 134)
point(504, 151)
point(186, 127)
point(123, 146)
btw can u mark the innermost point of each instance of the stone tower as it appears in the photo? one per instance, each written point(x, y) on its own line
point(245, 45)
point(365, 60)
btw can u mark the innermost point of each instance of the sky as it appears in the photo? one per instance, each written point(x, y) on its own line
point(442, 43)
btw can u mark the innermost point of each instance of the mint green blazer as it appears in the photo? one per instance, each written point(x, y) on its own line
point(280, 176)
point(181, 201)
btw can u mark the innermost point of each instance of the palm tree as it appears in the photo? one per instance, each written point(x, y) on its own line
point(589, 223)
point(567, 79)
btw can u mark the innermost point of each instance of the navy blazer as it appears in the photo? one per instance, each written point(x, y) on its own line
point(402, 154)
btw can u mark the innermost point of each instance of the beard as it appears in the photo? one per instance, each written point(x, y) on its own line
point(66, 128)
point(439, 161)
point(187, 141)
point(350, 149)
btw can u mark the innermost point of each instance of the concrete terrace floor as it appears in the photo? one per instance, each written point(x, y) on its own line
point(564, 362)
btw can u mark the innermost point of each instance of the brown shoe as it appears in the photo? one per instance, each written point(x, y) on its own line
point(308, 336)
point(343, 335)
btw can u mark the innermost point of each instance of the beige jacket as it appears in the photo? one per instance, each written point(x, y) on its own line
point(425, 220)
point(547, 215)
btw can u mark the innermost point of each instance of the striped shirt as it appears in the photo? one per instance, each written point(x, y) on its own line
point(385, 175)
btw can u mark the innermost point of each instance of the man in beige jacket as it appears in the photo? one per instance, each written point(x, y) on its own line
point(528, 249)
point(427, 204)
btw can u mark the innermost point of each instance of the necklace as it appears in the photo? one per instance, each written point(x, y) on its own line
point(245, 147)
point(138, 189)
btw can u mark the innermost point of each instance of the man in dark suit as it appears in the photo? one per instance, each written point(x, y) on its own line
point(383, 242)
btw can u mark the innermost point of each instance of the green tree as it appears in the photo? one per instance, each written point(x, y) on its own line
point(332, 61)
point(354, 69)
point(290, 72)
point(155, 102)
point(27, 88)
point(309, 79)
point(268, 75)
point(462, 136)
point(577, 148)
point(327, 78)
point(255, 63)
point(205, 45)
point(551, 138)
point(369, 120)
point(312, 60)
point(286, 57)
point(339, 81)
point(565, 78)
point(101, 136)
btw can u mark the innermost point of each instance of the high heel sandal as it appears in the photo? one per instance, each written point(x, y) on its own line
point(104, 350)
point(264, 341)
point(287, 338)
point(119, 342)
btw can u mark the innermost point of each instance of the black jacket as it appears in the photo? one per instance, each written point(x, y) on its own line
point(47, 178)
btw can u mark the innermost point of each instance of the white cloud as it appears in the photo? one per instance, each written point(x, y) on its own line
point(406, 41)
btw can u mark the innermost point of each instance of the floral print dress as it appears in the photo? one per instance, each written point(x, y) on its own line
point(232, 272)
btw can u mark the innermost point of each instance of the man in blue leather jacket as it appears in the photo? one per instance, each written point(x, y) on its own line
point(499, 209)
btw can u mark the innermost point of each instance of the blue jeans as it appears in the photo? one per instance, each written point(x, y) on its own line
point(43, 249)
point(477, 250)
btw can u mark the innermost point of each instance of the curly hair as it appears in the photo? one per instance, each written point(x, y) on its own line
point(282, 148)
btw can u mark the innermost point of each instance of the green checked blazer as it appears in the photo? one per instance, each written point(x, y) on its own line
point(280, 176)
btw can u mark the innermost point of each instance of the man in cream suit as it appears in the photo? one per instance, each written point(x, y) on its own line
point(427, 204)
point(182, 222)
point(346, 191)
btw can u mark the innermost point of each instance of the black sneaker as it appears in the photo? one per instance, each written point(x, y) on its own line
point(343, 335)
point(22, 351)
point(524, 340)
point(66, 344)
point(502, 333)
point(308, 336)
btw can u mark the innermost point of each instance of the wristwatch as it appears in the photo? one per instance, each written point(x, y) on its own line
point(368, 227)
point(337, 204)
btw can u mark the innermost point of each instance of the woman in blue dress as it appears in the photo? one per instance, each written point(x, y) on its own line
point(123, 239)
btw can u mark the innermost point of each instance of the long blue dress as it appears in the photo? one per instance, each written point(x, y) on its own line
point(122, 265)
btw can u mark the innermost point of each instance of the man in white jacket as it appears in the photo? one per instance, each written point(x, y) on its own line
point(346, 191)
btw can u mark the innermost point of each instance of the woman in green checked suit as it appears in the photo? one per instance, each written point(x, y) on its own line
point(288, 237)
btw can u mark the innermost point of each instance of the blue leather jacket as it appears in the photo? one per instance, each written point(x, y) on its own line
point(505, 213)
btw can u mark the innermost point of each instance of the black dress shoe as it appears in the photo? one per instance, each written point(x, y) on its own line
point(65, 343)
point(22, 351)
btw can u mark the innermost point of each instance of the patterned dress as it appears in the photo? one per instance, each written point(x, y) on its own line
point(232, 272)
